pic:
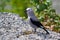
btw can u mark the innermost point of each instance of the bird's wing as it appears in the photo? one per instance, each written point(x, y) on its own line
point(37, 23)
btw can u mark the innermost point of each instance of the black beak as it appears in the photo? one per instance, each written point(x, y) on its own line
point(25, 13)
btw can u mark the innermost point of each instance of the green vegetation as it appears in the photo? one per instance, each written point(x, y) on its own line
point(47, 14)
point(14, 6)
point(42, 8)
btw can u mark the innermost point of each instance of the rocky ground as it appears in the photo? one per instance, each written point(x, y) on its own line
point(13, 27)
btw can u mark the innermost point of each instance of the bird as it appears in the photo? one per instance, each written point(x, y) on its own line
point(33, 20)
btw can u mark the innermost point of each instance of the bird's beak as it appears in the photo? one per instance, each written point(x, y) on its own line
point(25, 11)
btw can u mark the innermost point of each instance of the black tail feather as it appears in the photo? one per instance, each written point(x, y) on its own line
point(46, 31)
point(38, 24)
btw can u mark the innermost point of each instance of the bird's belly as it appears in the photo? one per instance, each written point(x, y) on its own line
point(32, 25)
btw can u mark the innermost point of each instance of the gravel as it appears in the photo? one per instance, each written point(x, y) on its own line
point(13, 27)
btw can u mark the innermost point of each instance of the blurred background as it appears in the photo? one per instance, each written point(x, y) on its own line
point(47, 11)
point(56, 5)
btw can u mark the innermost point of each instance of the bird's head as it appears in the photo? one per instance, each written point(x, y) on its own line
point(29, 11)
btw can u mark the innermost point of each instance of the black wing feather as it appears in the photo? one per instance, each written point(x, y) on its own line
point(37, 23)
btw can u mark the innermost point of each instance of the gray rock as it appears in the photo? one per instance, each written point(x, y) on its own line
point(13, 27)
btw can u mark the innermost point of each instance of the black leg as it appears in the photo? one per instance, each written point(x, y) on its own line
point(34, 30)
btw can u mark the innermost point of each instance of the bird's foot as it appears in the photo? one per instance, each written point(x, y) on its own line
point(47, 33)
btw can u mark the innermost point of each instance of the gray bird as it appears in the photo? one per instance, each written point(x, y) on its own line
point(33, 20)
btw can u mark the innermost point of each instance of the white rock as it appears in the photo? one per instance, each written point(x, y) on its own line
point(13, 27)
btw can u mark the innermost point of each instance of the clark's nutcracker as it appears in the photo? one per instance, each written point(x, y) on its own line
point(33, 20)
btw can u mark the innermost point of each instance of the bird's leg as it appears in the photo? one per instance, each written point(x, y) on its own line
point(34, 30)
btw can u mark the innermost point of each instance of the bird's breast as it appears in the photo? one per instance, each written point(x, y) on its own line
point(31, 24)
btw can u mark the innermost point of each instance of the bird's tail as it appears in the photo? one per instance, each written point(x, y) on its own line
point(44, 29)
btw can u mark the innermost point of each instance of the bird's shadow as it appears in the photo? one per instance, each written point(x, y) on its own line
point(44, 35)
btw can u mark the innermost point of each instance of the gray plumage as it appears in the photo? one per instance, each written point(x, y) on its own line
point(33, 20)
